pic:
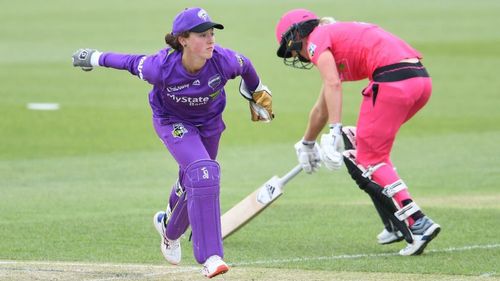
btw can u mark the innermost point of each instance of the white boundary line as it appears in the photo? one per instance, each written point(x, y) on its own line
point(242, 264)
point(357, 256)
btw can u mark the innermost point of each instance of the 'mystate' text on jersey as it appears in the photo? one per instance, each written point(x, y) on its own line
point(178, 95)
point(197, 97)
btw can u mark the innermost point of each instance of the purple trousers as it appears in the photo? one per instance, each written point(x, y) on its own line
point(189, 144)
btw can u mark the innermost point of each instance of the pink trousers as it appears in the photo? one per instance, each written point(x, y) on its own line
point(386, 106)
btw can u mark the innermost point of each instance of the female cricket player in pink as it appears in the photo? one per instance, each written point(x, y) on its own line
point(399, 86)
point(187, 102)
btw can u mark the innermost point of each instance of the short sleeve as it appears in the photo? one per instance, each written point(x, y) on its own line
point(317, 43)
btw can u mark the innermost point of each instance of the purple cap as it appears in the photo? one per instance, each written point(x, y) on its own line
point(193, 20)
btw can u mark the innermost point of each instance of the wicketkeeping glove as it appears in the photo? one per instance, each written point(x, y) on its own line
point(331, 146)
point(83, 59)
point(309, 155)
point(261, 102)
point(264, 100)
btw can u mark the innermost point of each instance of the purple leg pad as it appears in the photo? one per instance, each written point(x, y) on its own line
point(178, 221)
point(201, 180)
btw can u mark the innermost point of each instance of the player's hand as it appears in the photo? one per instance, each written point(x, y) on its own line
point(82, 58)
point(261, 108)
point(309, 155)
point(331, 146)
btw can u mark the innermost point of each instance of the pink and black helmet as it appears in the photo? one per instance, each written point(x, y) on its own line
point(291, 28)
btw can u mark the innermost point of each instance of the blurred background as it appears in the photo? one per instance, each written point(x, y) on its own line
point(82, 183)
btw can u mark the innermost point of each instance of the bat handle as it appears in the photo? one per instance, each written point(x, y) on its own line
point(291, 174)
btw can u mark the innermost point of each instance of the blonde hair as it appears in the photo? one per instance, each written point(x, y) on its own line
point(326, 20)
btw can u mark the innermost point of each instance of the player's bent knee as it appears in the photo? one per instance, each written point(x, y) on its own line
point(202, 173)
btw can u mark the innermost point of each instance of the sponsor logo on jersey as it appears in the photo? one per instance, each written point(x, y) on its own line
point(191, 101)
point(176, 88)
point(196, 82)
point(178, 130)
point(140, 67)
point(214, 95)
point(343, 69)
point(214, 81)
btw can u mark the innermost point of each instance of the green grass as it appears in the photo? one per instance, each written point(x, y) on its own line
point(82, 183)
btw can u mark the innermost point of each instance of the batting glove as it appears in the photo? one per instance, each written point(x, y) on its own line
point(86, 59)
point(308, 154)
point(331, 146)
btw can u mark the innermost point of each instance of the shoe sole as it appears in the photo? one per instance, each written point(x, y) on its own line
point(220, 270)
point(399, 239)
point(430, 237)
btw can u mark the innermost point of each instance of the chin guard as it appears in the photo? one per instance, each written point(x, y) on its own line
point(291, 41)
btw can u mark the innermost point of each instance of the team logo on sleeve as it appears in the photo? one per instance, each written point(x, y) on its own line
point(311, 49)
point(178, 130)
point(240, 60)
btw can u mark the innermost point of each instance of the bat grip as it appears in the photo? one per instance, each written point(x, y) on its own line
point(291, 174)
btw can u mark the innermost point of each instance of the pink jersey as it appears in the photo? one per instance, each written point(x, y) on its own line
point(358, 48)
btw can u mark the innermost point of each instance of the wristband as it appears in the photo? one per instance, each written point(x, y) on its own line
point(336, 128)
point(309, 144)
point(94, 58)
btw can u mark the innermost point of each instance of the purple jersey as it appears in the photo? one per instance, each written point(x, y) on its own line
point(178, 95)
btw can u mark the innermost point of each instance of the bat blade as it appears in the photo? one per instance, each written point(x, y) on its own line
point(256, 202)
point(251, 206)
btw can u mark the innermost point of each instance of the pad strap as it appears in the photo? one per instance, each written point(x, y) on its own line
point(393, 188)
point(349, 136)
point(406, 211)
point(179, 190)
point(177, 215)
point(371, 169)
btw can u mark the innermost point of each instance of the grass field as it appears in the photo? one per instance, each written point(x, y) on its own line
point(79, 186)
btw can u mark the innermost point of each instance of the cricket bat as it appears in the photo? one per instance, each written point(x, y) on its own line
point(256, 202)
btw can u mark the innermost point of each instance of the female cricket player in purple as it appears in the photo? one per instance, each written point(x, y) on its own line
point(399, 86)
point(187, 101)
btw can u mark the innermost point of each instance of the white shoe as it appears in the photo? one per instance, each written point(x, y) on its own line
point(171, 249)
point(423, 230)
point(388, 237)
point(214, 266)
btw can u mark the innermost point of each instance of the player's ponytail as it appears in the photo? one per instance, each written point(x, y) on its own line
point(173, 40)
